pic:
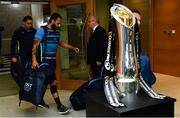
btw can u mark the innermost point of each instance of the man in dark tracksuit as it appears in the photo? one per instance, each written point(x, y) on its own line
point(21, 48)
point(22, 41)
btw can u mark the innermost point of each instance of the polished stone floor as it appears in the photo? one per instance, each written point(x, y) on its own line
point(165, 84)
point(9, 107)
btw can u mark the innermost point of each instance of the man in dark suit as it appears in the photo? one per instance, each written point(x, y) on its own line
point(96, 48)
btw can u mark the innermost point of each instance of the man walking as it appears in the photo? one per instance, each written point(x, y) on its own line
point(49, 38)
point(21, 48)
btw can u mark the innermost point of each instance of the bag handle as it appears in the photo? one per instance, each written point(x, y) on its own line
point(43, 64)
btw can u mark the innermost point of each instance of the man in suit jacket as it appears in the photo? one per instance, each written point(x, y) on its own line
point(96, 48)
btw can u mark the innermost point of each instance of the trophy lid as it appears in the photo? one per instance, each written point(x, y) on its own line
point(123, 15)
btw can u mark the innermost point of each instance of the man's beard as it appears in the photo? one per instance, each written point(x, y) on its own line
point(53, 26)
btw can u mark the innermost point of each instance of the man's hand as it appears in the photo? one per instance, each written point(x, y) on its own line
point(14, 59)
point(76, 50)
point(34, 64)
point(98, 63)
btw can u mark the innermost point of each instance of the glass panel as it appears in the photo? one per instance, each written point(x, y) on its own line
point(73, 65)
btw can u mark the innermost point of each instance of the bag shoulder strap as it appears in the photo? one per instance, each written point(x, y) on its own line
point(45, 28)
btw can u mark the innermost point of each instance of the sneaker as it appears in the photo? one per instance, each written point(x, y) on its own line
point(43, 105)
point(63, 110)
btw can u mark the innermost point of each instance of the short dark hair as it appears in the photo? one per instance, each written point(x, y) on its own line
point(136, 11)
point(27, 18)
point(54, 16)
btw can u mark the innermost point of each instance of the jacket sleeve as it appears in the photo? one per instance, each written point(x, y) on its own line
point(14, 41)
point(101, 47)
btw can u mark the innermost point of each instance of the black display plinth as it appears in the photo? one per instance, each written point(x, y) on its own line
point(139, 105)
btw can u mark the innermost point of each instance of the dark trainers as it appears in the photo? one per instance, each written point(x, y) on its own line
point(43, 105)
point(63, 110)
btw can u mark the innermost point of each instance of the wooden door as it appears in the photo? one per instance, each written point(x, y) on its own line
point(166, 37)
point(71, 71)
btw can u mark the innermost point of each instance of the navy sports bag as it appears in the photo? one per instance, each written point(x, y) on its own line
point(77, 98)
point(32, 87)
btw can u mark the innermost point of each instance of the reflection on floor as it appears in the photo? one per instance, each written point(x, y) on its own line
point(7, 85)
point(167, 85)
point(9, 107)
